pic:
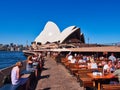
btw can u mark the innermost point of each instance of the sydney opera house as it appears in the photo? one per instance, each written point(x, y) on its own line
point(70, 39)
point(51, 33)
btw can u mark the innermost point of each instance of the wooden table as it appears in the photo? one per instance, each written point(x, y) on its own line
point(98, 78)
point(82, 66)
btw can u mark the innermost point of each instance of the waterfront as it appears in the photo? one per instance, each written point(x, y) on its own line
point(8, 58)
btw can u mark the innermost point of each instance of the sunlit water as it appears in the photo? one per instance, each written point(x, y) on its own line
point(8, 58)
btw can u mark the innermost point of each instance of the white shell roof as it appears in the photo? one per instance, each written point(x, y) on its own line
point(51, 33)
point(66, 32)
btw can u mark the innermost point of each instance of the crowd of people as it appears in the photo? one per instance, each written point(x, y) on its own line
point(110, 66)
point(34, 64)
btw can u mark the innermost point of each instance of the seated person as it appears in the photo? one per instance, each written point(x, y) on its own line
point(85, 58)
point(16, 76)
point(107, 67)
point(101, 58)
point(70, 57)
point(112, 57)
point(29, 66)
point(35, 57)
point(92, 64)
point(118, 65)
point(82, 60)
point(73, 60)
point(115, 73)
point(113, 67)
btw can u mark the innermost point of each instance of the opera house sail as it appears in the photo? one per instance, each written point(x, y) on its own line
point(51, 33)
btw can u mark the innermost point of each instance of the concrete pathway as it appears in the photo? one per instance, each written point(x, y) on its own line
point(56, 77)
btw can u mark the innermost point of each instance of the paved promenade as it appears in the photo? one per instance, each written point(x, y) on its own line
point(56, 77)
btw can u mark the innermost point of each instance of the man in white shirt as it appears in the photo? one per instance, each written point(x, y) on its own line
point(73, 60)
point(112, 57)
point(70, 57)
point(107, 67)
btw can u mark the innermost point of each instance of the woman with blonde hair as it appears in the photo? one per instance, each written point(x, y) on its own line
point(16, 76)
point(92, 64)
point(15, 73)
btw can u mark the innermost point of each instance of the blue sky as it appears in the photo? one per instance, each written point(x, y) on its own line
point(23, 20)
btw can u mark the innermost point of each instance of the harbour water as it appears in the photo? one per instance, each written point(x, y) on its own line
point(8, 58)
